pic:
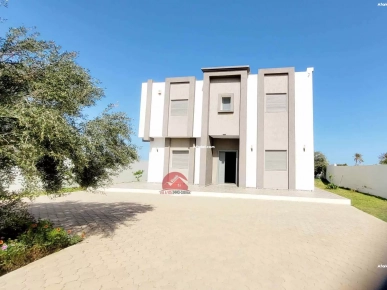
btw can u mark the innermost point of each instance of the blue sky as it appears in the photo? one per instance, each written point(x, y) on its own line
point(124, 43)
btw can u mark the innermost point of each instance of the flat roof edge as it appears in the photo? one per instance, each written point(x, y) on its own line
point(226, 68)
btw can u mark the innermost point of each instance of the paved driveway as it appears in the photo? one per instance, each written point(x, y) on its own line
point(145, 241)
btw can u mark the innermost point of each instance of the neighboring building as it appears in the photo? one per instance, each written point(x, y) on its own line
point(254, 130)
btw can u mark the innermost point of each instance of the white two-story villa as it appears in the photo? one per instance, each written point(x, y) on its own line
point(234, 126)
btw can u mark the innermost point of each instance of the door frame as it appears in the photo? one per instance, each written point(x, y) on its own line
point(236, 168)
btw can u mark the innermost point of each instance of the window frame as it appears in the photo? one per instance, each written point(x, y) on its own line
point(220, 99)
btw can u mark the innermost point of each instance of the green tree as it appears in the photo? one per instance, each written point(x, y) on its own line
point(383, 158)
point(358, 158)
point(320, 163)
point(43, 132)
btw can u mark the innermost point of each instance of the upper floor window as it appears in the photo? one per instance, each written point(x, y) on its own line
point(179, 107)
point(226, 103)
point(276, 103)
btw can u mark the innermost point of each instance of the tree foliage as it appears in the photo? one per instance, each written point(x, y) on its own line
point(383, 158)
point(320, 163)
point(358, 158)
point(43, 131)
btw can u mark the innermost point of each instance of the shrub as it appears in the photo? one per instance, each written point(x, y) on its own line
point(138, 174)
point(14, 216)
point(40, 239)
point(331, 186)
point(44, 234)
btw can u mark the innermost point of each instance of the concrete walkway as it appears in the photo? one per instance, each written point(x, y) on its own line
point(232, 191)
point(145, 241)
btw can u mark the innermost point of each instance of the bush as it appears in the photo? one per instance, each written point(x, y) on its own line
point(138, 174)
point(331, 186)
point(39, 240)
point(14, 216)
point(22, 238)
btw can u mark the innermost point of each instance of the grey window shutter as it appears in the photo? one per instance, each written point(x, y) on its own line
point(276, 103)
point(179, 107)
point(276, 160)
point(180, 159)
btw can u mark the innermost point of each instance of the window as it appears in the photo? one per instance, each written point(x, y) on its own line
point(179, 107)
point(276, 103)
point(180, 159)
point(226, 103)
point(276, 160)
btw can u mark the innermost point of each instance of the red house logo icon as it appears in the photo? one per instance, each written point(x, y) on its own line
point(175, 182)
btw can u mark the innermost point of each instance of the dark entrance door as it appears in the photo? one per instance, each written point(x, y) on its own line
point(230, 167)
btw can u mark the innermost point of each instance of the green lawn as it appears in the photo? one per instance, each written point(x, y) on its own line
point(373, 205)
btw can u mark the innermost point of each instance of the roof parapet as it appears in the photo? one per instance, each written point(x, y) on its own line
point(226, 68)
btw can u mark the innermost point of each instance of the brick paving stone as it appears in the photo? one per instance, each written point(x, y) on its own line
point(92, 284)
point(53, 287)
point(72, 285)
point(144, 241)
point(53, 280)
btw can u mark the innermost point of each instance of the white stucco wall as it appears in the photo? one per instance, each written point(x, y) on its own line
point(156, 160)
point(364, 178)
point(197, 162)
point(127, 174)
point(197, 126)
point(157, 110)
point(17, 183)
point(141, 125)
point(251, 139)
point(304, 130)
point(123, 177)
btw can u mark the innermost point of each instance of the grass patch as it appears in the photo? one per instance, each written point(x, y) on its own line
point(40, 239)
point(373, 205)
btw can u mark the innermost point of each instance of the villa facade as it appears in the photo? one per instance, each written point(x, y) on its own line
point(252, 130)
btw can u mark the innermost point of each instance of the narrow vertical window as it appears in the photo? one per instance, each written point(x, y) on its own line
point(179, 107)
point(276, 103)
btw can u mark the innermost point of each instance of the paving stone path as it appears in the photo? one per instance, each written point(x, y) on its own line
point(145, 241)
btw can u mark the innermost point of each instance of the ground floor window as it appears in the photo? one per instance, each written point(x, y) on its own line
point(180, 159)
point(276, 160)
